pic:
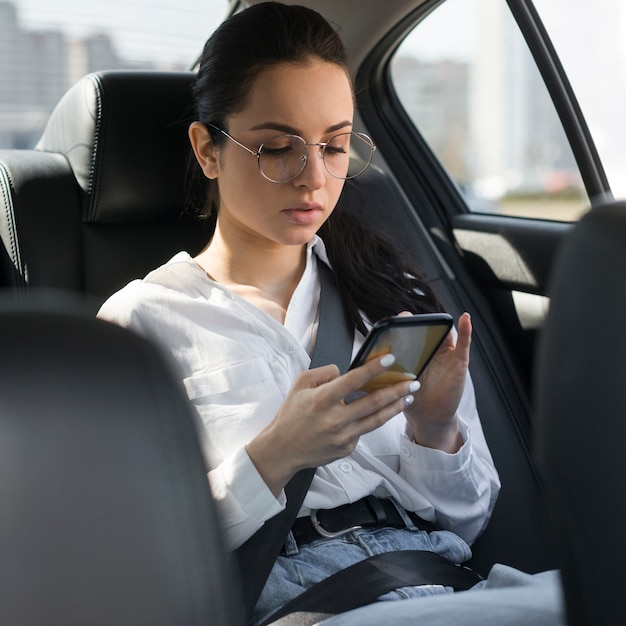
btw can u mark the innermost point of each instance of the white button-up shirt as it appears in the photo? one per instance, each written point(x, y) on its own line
point(238, 363)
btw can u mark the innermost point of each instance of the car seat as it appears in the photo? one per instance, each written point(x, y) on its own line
point(101, 201)
point(106, 514)
point(581, 414)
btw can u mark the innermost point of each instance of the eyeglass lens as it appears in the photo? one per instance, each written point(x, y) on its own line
point(282, 158)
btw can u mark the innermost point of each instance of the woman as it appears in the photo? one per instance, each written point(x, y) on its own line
point(275, 112)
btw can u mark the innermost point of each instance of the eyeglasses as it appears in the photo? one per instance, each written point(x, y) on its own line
point(283, 158)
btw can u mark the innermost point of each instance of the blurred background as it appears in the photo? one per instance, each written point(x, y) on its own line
point(464, 76)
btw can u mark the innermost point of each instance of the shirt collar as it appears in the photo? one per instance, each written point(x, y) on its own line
point(317, 246)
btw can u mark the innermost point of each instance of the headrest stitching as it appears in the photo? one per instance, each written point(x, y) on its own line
point(93, 189)
point(16, 256)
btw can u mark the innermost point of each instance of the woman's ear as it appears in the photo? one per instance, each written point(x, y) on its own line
point(204, 149)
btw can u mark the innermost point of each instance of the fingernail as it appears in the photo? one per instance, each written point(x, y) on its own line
point(414, 386)
point(408, 400)
point(388, 360)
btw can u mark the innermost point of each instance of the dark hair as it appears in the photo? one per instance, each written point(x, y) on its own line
point(240, 48)
point(373, 276)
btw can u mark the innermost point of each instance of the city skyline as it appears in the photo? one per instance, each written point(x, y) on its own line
point(173, 33)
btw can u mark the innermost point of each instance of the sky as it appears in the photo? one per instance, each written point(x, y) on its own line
point(158, 28)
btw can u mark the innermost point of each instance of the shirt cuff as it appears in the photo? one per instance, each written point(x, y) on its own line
point(241, 493)
point(420, 458)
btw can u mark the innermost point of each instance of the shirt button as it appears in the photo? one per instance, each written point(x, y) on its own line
point(345, 467)
point(405, 452)
point(291, 348)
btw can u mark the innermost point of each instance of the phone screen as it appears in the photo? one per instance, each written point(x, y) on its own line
point(413, 340)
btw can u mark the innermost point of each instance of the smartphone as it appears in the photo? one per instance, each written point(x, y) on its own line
point(412, 339)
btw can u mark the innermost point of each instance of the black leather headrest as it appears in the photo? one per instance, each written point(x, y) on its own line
point(107, 515)
point(125, 136)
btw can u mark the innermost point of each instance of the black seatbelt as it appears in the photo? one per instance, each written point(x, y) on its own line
point(365, 581)
point(333, 344)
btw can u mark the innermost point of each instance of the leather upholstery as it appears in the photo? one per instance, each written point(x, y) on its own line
point(126, 143)
point(106, 513)
point(581, 414)
point(101, 200)
point(40, 222)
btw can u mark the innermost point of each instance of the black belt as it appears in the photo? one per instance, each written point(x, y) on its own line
point(369, 512)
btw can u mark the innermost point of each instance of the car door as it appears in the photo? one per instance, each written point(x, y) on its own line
point(479, 122)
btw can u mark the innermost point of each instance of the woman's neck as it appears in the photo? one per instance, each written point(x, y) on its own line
point(265, 274)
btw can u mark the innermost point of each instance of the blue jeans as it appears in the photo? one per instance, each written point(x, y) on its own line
point(304, 566)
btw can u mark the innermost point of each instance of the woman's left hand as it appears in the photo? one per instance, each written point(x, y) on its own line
point(432, 417)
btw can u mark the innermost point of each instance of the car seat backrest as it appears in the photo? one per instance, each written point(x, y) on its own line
point(107, 516)
point(581, 414)
point(518, 533)
point(101, 199)
point(124, 135)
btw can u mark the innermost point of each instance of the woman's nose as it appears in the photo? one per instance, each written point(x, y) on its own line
point(314, 172)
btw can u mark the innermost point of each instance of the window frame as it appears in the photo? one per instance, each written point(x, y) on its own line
point(564, 99)
point(419, 169)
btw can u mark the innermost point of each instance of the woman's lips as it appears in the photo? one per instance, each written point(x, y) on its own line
point(303, 214)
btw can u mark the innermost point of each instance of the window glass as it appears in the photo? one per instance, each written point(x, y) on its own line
point(467, 80)
point(46, 46)
point(590, 38)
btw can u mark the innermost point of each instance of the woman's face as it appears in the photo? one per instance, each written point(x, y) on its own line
point(313, 101)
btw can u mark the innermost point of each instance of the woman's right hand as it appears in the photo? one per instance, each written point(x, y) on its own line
point(315, 425)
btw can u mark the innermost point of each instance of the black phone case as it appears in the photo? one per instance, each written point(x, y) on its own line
point(394, 334)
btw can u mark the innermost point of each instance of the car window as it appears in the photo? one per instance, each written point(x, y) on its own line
point(595, 61)
point(45, 47)
point(466, 78)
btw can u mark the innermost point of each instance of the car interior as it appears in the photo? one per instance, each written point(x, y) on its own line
point(580, 406)
point(107, 518)
point(101, 201)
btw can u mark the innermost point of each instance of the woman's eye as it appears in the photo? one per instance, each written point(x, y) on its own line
point(332, 150)
point(279, 147)
point(339, 145)
point(276, 151)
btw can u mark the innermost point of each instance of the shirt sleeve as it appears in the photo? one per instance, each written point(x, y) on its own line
point(244, 500)
point(462, 487)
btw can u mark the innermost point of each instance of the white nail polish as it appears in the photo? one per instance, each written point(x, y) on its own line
point(388, 360)
point(414, 386)
point(408, 400)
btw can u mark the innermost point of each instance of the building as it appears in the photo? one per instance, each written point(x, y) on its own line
point(37, 68)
